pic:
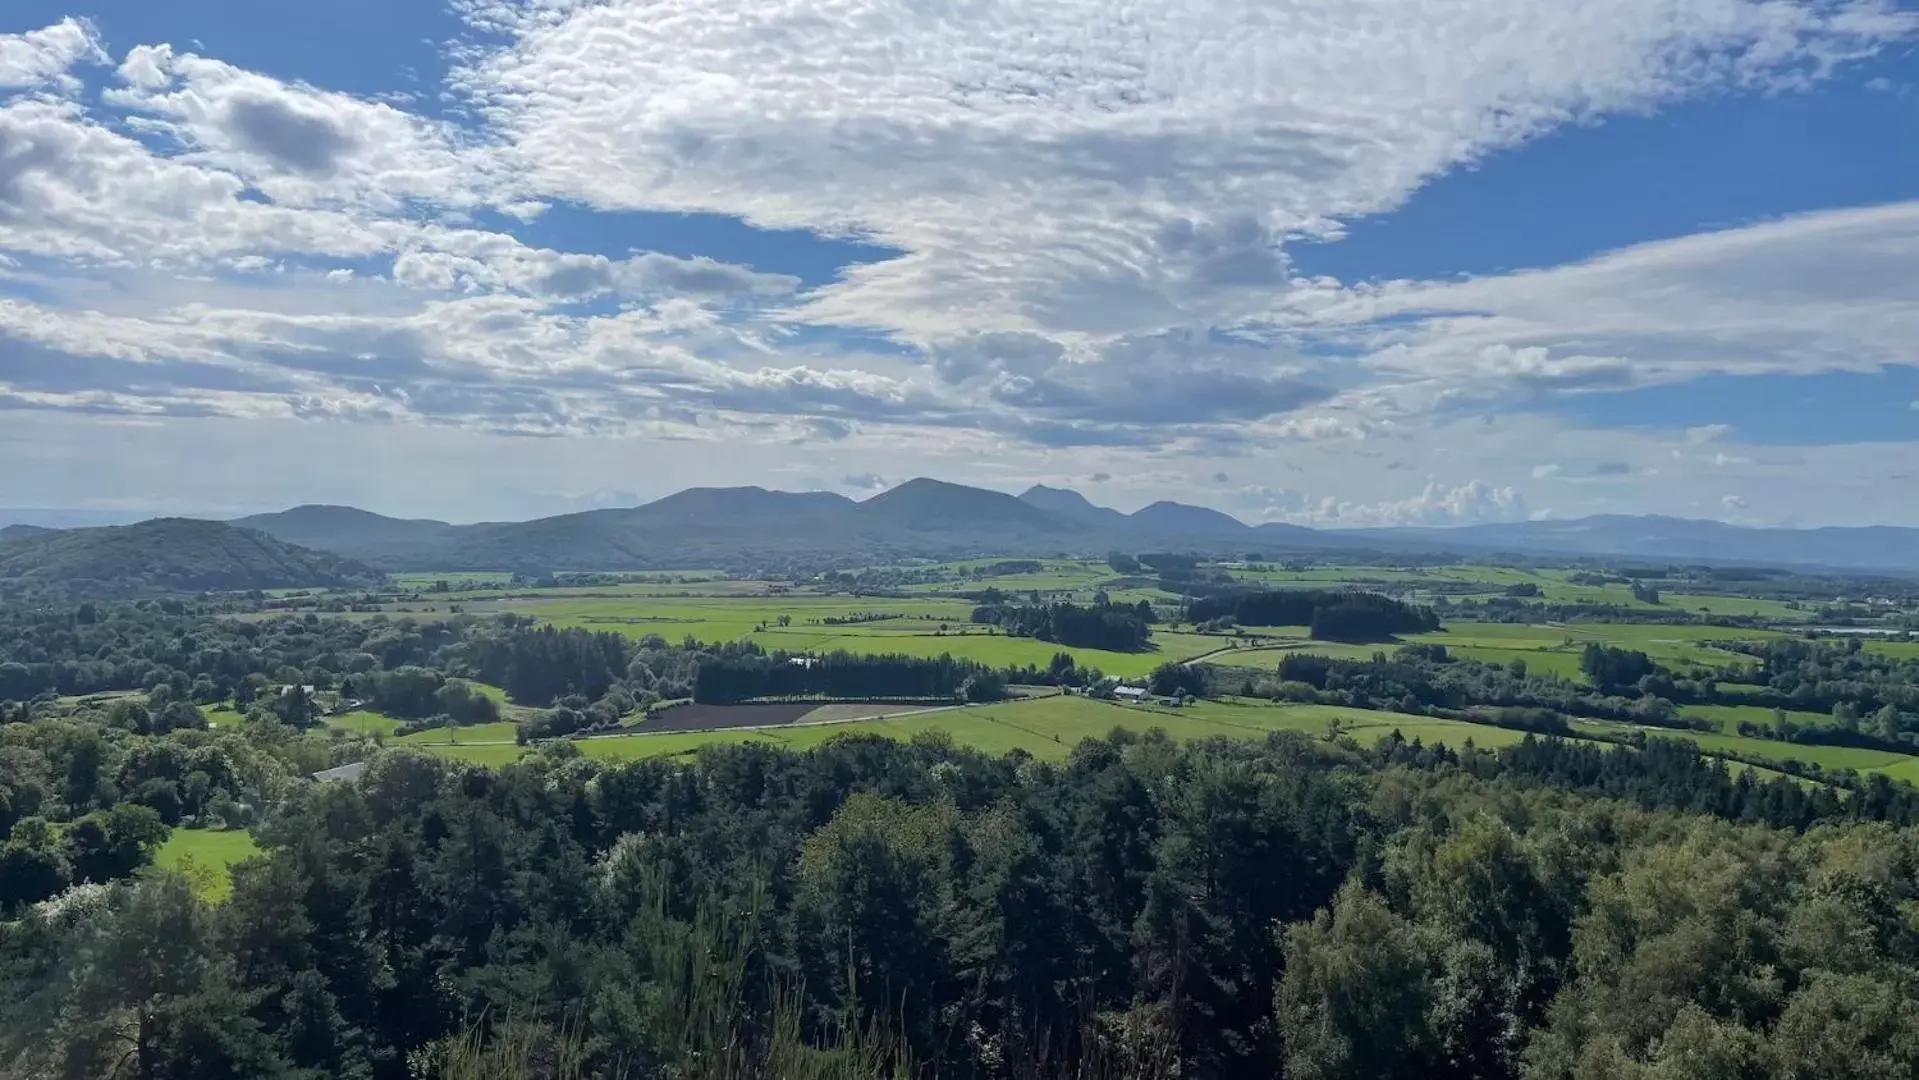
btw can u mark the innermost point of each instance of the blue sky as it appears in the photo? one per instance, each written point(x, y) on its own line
point(1333, 264)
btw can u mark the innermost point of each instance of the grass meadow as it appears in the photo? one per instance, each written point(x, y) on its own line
point(206, 857)
point(912, 626)
point(1045, 727)
point(1729, 716)
point(1050, 727)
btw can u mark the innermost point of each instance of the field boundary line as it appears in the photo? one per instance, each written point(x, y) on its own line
point(759, 727)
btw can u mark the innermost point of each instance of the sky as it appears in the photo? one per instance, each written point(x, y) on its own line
point(1344, 263)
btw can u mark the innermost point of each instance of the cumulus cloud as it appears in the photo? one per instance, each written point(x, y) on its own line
point(864, 482)
point(298, 144)
point(1732, 502)
point(1541, 472)
point(41, 58)
point(1475, 502)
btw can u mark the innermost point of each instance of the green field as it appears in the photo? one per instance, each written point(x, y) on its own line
point(1729, 716)
point(1553, 584)
point(1054, 576)
point(206, 856)
point(715, 618)
point(1560, 662)
point(364, 722)
point(1907, 650)
point(1547, 649)
point(913, 627)
point(501, 731)
point(1268, 657)
point(454, 578)
point(1051, 727)
point(1046, 727)
point(1826, 757)
point(486, 690)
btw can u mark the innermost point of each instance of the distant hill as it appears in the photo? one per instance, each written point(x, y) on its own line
point(751, 529)
point(166, 555)
point(1681, 540)
point(739, 507)
point(332, 528)
point(929, 505)
point(1071, 505)
point(1179, 519)
point(16, 532)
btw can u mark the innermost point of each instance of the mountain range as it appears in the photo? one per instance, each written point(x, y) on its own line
point(751, 529)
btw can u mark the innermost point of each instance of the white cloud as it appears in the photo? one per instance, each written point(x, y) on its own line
point(1820, 292)
point(1474, 502)
point(1732, 502)
point(300, 145)
point(1706, 433)
point(40, 58)
point(1541, 472)
point(1088, 167)
point(1092, 199)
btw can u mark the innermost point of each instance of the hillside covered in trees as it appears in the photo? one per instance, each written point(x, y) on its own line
point(165, 555)
point(878, 909)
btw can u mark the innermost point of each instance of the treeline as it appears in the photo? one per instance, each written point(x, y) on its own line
point(418, 693)
point(742, 676)
point(1425, 679)
point(1609, 667)
point(189, 647)
point(1115, 627)
point(1332, 614)
point(1669, 774)
point(539, 665)
point(1139, 909)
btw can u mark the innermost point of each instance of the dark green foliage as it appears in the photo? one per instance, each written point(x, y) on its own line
point(1610, 667)
point(1143, 909)
point(539, 666)
point(1169, 562)
point(1118, 628)
point(1177, 680)
point(142, 646)
point(109, 844)
point(414, 693)
point(742, 674)
point(1333, 615)
point(33, 864)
